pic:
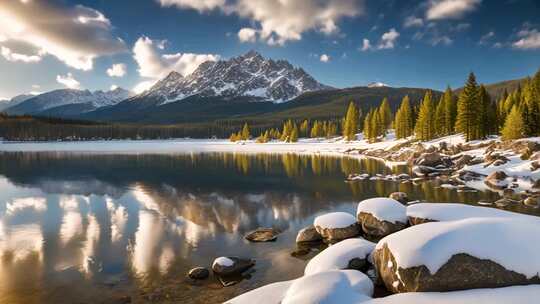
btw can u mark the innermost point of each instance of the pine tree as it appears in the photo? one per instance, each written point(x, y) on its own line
point(531, 109)
point(376, 125)
point(406, 119)
point(513, 126)
point(245, 132)
point(385, 115)
point(287, 129)
point(315, 129)
point(350, 125)
point(294, 134)
point(450, 111)
point(304, 128)
point(425, 124)
point(440, 129)
point(484, 116)
point(368, 128)
point(467, 110)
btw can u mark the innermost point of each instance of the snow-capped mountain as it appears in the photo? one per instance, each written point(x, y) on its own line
point(248, 75)
point(69, 97)
point(4, 104)
point(377, 85)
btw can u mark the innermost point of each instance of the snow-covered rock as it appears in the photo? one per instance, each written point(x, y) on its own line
point(465, 254)
point(347, 254)
point(248, 75)
point(445, 212)
point(336, 226)
point(381, 216)
point(231, 265)
point(401, 197)
point(308, 234)
point(514, 294)
point(339, 286)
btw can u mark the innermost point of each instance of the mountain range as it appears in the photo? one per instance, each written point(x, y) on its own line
point(247, 87)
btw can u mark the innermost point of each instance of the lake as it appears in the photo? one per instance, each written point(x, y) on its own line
point(93, 228)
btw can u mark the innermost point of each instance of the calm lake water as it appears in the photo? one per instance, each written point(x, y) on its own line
point(83, 228)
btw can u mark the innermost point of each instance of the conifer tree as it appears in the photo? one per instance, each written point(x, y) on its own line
point(294, 134)
point(304, 128)
point(405, 124)
point(385, 115)
point(450, 111)
point(287, 129)
point(368, 128)
point(315, 129)
point(440, 129)
point(467, 109)
point(331, 130)
point(376, 125)
point(425, 123)
point(350, 125)
point(530, 109)
point(245, 132)
point(513, 126)
point(484, 114)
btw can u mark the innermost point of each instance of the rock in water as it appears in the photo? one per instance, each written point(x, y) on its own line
point(336, 226)
point(401, 197)
point(226, 266)
point(198, 273)
point(497, 180)
point(308, 234)
point(381, 216)
point(456, 255)
point(262, 235)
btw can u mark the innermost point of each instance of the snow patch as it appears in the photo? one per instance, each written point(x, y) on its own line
point(384, 209)
point(335, 220)
point(339, 255)
point(223, 261)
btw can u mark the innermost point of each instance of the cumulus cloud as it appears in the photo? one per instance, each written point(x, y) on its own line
point(280, 21)
point(388, 39)
point(486, 38)
point(450, 9)
point(444, 40)
point(77, 36)
point(199, 5)
point(9, 55)
point(529, 39)
point(117, 70)
point(324, 58)
point(152, 64)
point(413, 21)
point(366, 45)
point(68, 81)
point(247, 35)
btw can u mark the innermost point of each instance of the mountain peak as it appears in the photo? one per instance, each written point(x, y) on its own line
point(249, 75)
point(377, 85)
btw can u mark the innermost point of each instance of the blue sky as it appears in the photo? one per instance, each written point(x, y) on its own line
point(97, 44)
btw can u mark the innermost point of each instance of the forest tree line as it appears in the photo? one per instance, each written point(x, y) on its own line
point(472, 113)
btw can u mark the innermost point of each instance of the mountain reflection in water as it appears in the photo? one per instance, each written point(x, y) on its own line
point(92, 228)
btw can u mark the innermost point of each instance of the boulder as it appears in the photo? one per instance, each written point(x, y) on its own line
point(227, 266)
point(262, 235)
point(536, 184)
point(401, 197)
point(430, 159)
point(381, 216)
point(347, 254)
point(423, 170)
point(457, 255)
point(504, 202)
point(532, 201)
point(308, 234)
point(496, 180)
point(336, 226)
point(464, 160)
point(198, 273)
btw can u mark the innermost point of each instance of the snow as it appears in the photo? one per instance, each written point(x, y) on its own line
point(337, 256)
point(339, 286)
point(223, 261)
point(384, 209)
point(500, 240)
point(514, 294)
point(445, 212)
point(268, 294)
point(334, 220)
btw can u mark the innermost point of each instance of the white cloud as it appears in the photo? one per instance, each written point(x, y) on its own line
point(154, 65)
point(279, 21)
point(450, 9)
point(77, 36)
point(14, 57)
point(36, 86)
point(529, 39)
point(199, 5)
point(413, 21)
point(247, 35)
point(366, 45)
point(445, 40)
point(143, 86)
point(388, 39)
point(486, 38)
point(324, 58)
point(117, 70)
point(68, 81)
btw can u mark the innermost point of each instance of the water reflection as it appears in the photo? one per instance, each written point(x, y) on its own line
point(72, 226)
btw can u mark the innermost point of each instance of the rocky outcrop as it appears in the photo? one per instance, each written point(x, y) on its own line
point(198, 273)
point(496, 180)
point(380, 217)
point(336, 226)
